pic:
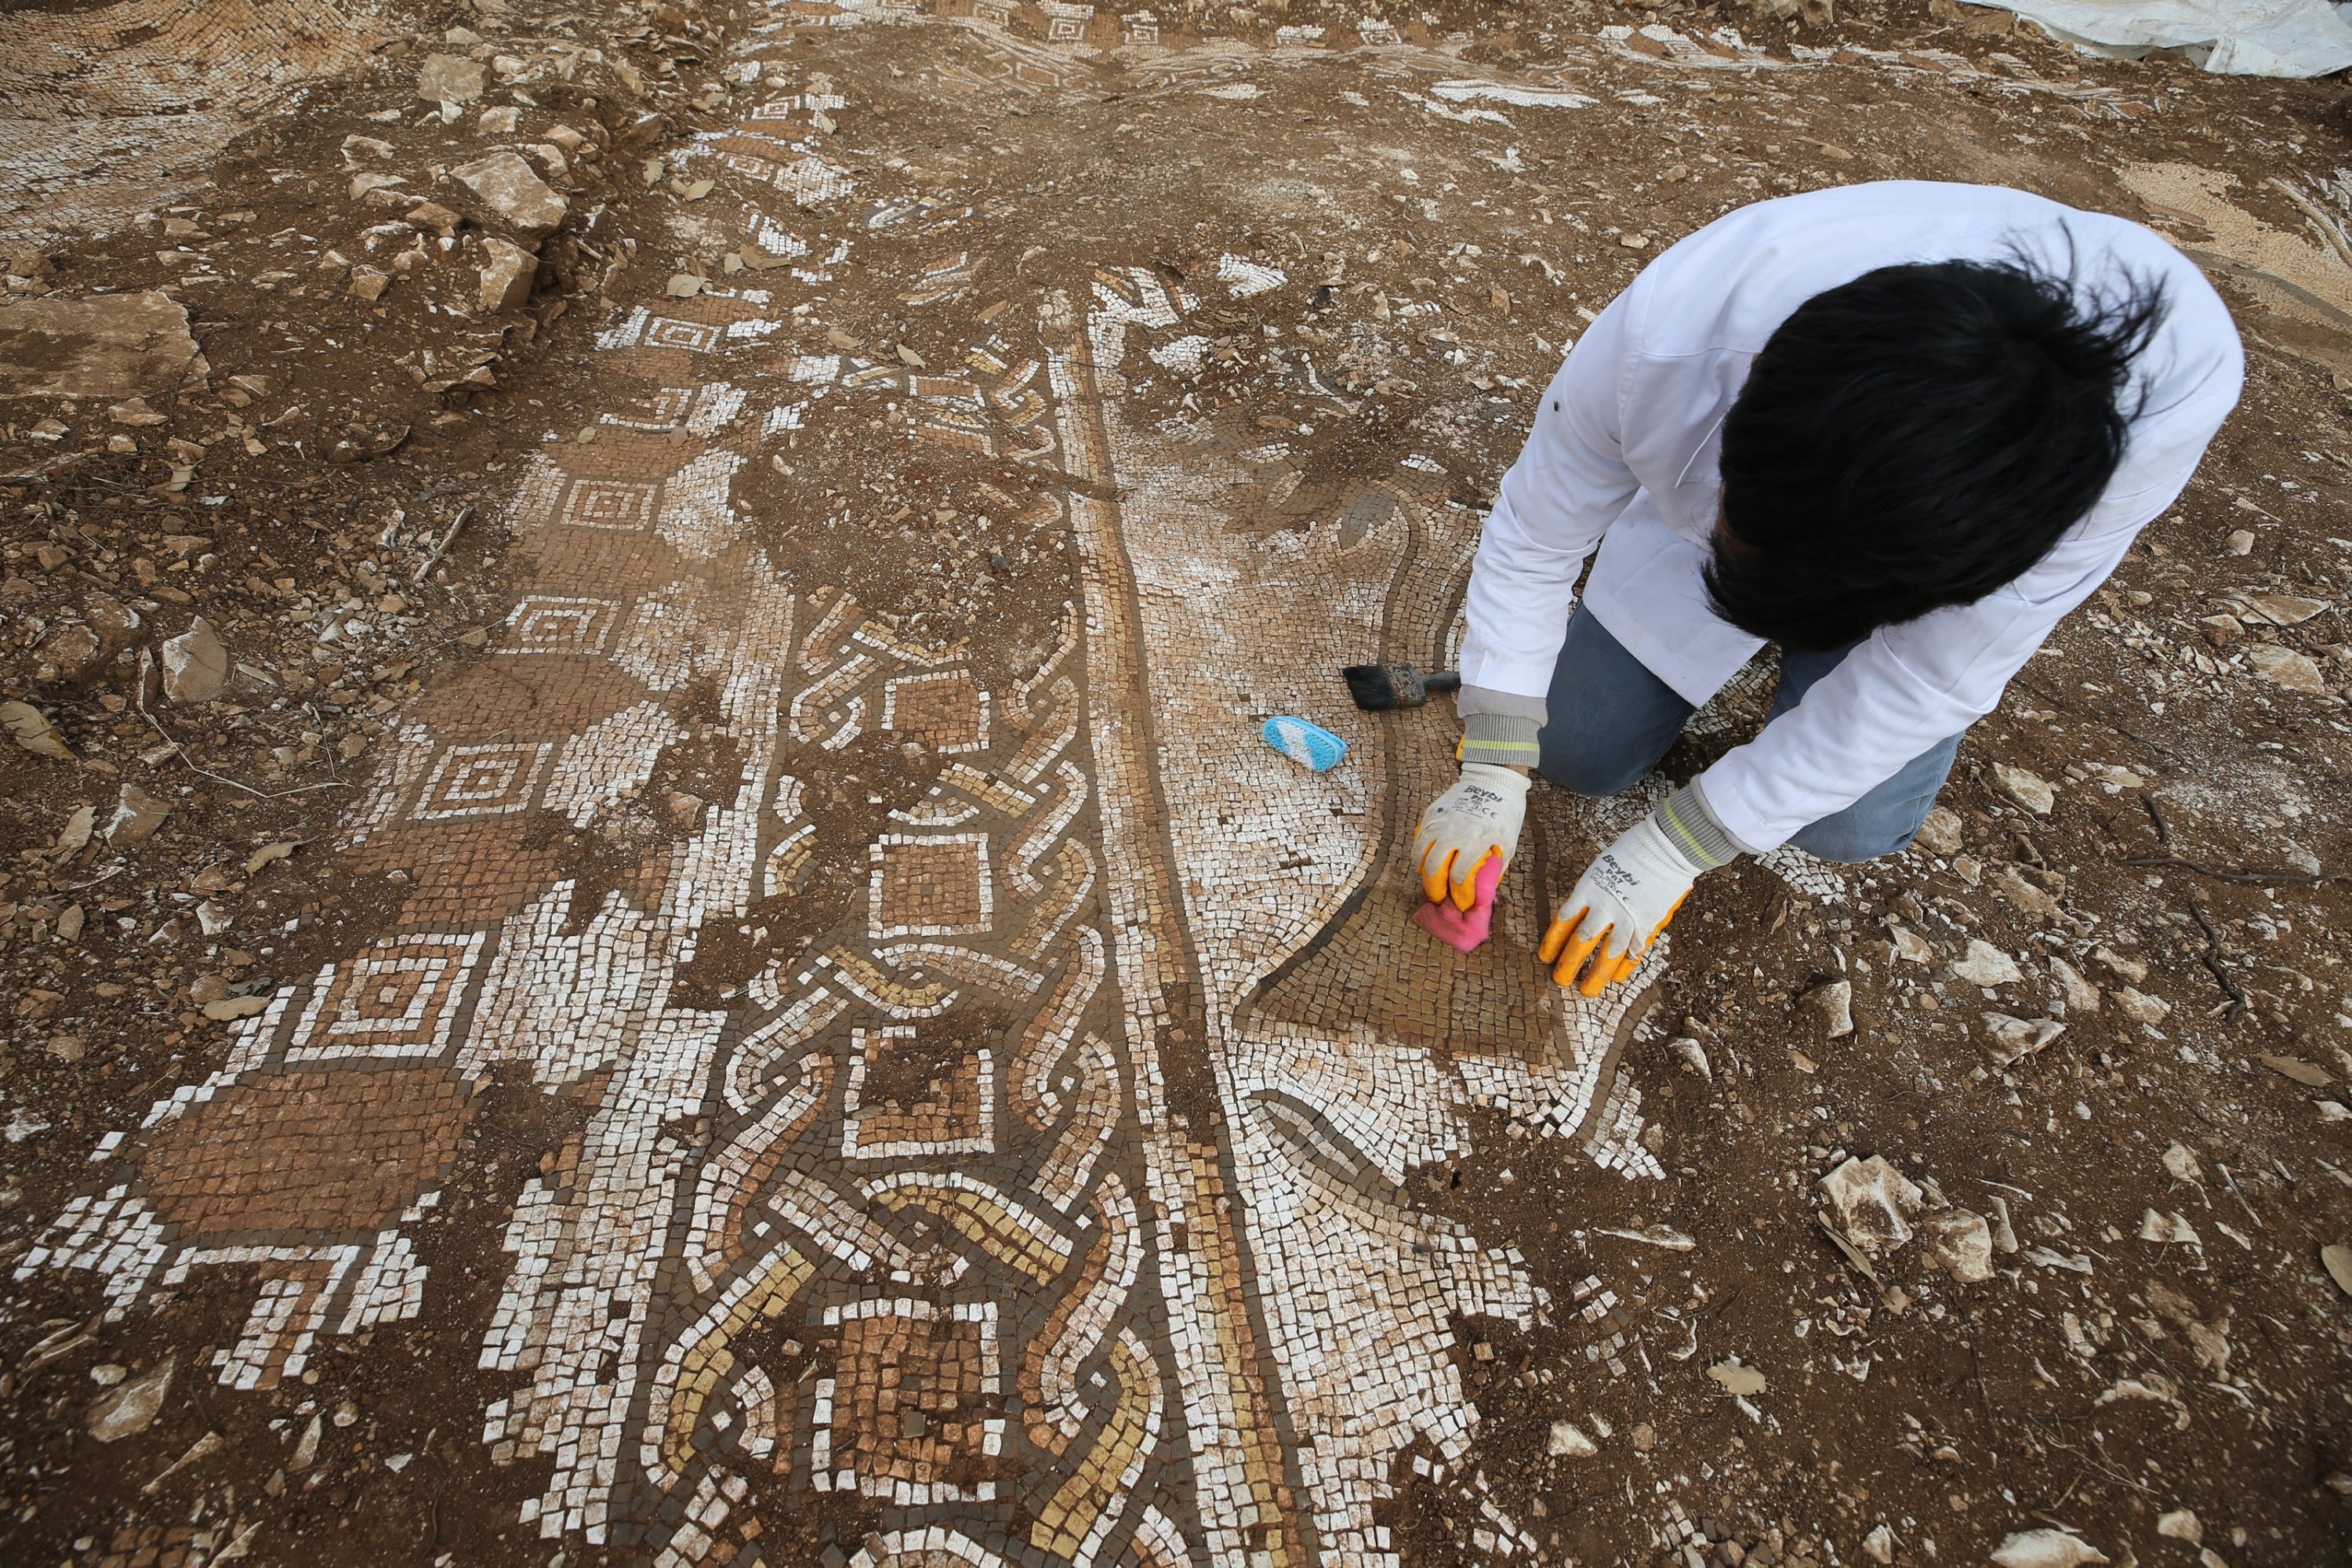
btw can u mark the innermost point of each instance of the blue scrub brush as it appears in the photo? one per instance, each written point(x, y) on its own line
point(1309, 744)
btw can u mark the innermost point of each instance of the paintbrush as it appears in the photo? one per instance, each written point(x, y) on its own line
point(1379, 688)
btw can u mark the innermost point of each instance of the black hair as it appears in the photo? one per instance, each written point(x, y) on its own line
point(1916, 438)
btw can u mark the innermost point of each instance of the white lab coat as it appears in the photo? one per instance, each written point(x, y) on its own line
point(1624, 450)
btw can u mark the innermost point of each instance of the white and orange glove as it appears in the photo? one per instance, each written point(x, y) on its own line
point(1474, 822)
point(1630, 890)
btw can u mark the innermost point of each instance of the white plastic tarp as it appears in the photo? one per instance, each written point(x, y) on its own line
point(2228, 38)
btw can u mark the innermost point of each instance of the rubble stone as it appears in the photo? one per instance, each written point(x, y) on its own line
point(195, 665)
point(2079, 994)
point(2032, 889)
point(449, 78)
point(2285, 667)
point(2122, 965)
point(506, 274)
point(1941, 831)
point(2045, 1549)
point(111, 619)
point(1987, 966)
point(1834, 1005)
point(65, 653)
point(132, 1407)
point(136, 817)
point(2013, 1040)
point(512, 196)
point(2027, 789)
point(135, 410)
point(2280, 609)
point(1960, 1242)
point(1568, 1441)
point(435, 217)
point(1873, 1203)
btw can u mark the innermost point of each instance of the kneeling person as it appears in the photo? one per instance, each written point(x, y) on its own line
point(1898, 430)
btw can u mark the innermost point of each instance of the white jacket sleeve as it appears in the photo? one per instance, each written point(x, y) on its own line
point(1567, 486)
point(1909, 687)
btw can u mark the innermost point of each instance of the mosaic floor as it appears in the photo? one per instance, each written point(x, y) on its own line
point(106, 110)
point(1055, 1202)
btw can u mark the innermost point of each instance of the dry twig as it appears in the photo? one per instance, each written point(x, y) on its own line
point(2255, 876)
point(2212, 960)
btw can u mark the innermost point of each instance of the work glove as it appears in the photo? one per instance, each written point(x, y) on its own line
point(1476, 821)
point(1621, 902)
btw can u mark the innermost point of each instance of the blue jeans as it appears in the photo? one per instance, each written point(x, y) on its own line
point(1612, 720)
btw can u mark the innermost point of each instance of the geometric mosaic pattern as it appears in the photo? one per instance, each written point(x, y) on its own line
point(547, 623)
point(483, 779)
point(399, 998)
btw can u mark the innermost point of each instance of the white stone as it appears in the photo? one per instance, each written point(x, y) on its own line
point(2030, 790)
point(2280, 609)
point(1987, 966)
point(2140, 1007)
point(449, 78)
point(1941, 831)
point(2031, 889)
point(2045, 1549)
point(132, 1407)
point(1567, 1442)
point(1873, 1203)
point(1834, 1003)
point(1744, 1382)
point(2285, 667)
point(2167, 1228)
point(507, 274)
point(195, 665)
point(1693, 1056)
point(513, 195)
point(2122, 965)
point(2079, 994)
point(137, 816)
point(1960, 1242)
point(2180, 1163)
point(2016, 1039)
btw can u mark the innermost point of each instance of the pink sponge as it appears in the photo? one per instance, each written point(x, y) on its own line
point(1456, 928)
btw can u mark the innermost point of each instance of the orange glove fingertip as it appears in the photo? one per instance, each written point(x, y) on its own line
point(1573, 961)
point(1433, 883)
point(1556, 935)
point(1465, 888)
point(1607, 968)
